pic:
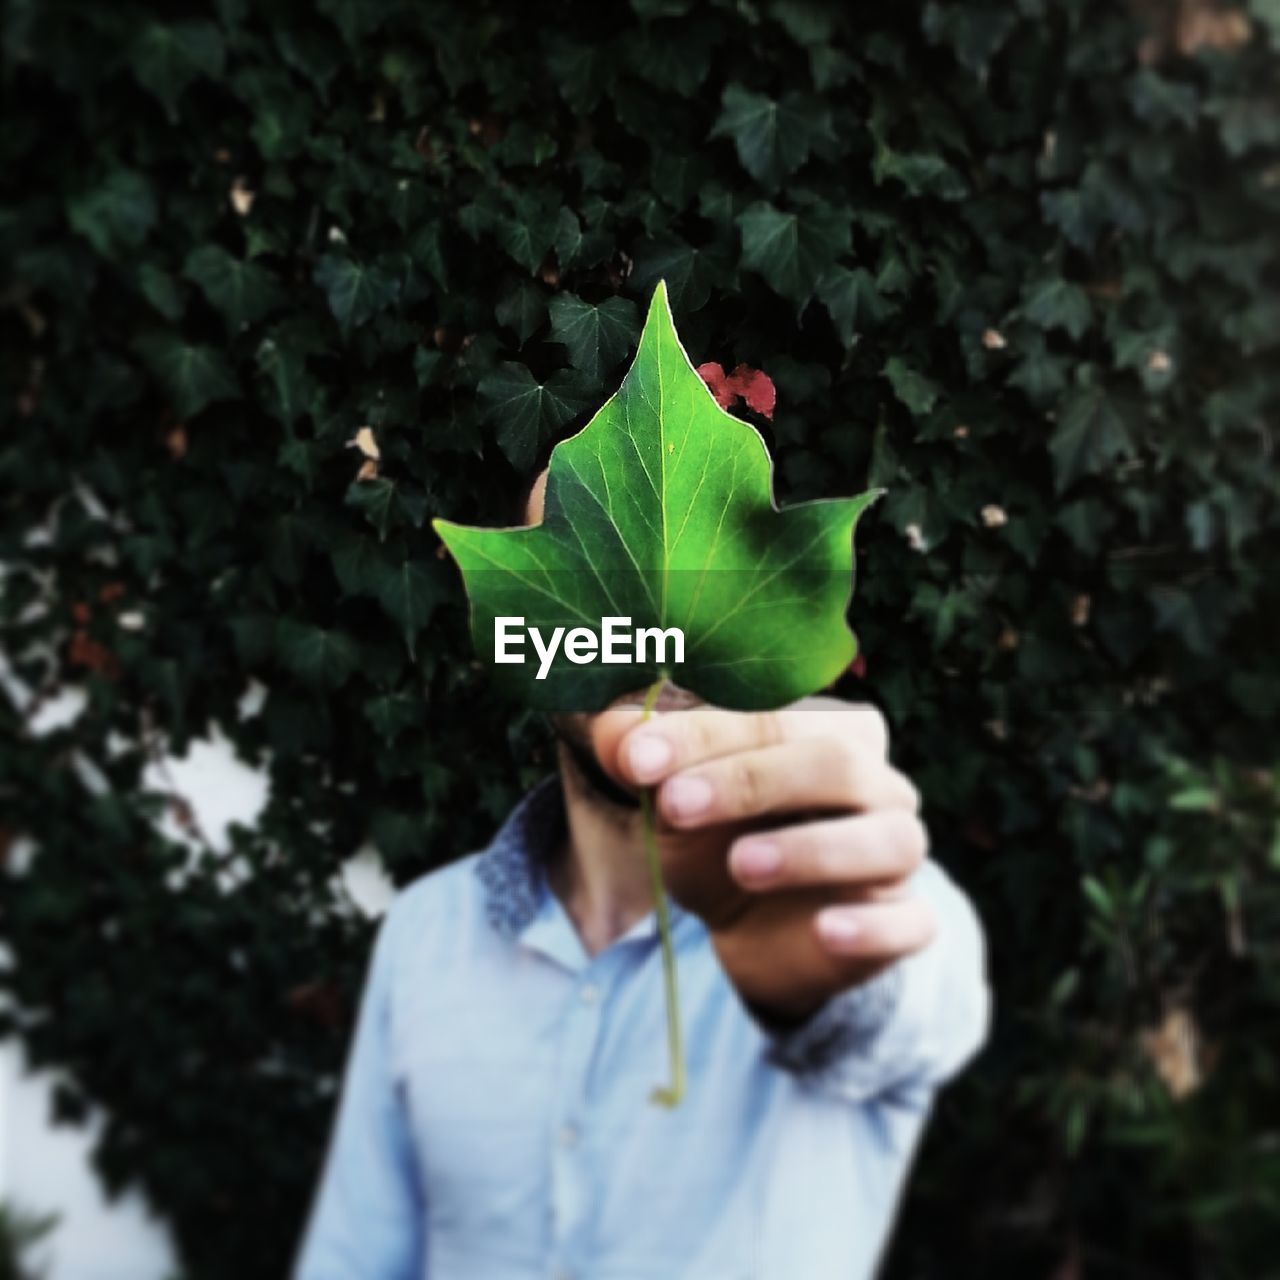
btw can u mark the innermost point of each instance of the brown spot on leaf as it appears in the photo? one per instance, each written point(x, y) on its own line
point(1176, 1052)
point(242, 197)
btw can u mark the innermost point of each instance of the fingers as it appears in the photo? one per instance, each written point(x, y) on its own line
point(812, 773)
point(863, 849)
point(876, 931)
point(645, 753)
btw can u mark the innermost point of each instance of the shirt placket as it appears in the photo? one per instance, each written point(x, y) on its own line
point(572, 1207)
point(552, 934)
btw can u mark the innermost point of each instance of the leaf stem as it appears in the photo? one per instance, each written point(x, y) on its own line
point(670, 1095)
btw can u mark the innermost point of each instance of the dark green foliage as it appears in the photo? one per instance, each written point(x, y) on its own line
point(20, 1232)
point(1016, 262)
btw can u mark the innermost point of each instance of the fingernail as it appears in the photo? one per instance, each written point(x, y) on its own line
point(756, 859)
point(837, 927)
point(648, 754)
point(686, 797)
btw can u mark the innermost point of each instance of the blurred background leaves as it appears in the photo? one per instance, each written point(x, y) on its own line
point(278, 281)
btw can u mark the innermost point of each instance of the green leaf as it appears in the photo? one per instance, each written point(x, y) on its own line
point(912, 387)
point(1161, 101)
point(1057, 304)
point(116, 215)
point(690, 273)
point(853, 301)
point(355, 291)
point(529, 234)
point(290, 390)
point(194, 376)
point(597, 337)
point(922, 173)
point(399, 835)
point(792, 251)
point(1092, 432)
point(975, 32)
point(1039, 373)
point(377, 499)
point(317, 655)
point(167, 59)
point(1247, 122)
point(661, 511)
point(527, 411)
point(523, 310)
point(161, 290)
point(242, 291)
point(409, 592)
point(581, 73)
point(392, 713)
point(773, 138)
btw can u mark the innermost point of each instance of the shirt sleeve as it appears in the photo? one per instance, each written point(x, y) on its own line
point(911, 1027)
point(367, 1214)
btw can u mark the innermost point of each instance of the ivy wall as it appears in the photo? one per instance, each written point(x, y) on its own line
point(1017, 262)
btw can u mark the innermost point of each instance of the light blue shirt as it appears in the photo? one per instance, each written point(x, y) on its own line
point(495, 1121)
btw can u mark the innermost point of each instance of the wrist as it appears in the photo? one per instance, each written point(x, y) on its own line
point(783, 1016)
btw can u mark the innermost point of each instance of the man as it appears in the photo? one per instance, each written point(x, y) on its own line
point(496, 1121)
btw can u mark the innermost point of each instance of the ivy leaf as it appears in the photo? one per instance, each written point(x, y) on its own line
point(355, 291)
point(916, 391)
point(596, 337)
point(289, 389)
point(530, 233)
point(161, 290)
point(194, 376)
point(975, 32)
point(242, 291)
point(854, 302)
point(116, 215)
point(167, 59)
point(1039, 373)
point(922, 173)
point(380, 499)
point(773, 138)
point(793, 250)
point(409, 592)
point(689, 272)
point(661, 510)
point(522, 310)
point(528, 411)
point(1092, 433)
point(317, 655)
point(1058, 304)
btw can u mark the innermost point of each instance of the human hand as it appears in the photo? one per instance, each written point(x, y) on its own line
point(789, 833)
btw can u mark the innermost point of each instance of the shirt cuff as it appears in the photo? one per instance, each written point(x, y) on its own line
point(847, 1025)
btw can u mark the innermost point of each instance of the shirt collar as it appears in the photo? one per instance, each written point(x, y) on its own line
point(511, 867)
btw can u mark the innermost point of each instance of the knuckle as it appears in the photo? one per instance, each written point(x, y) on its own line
point(748, 784)
point(813, 856)
point(771, 729)
point(699, 738)
point(848, 762)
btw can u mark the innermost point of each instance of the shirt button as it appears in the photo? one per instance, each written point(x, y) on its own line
point(590, 994)
point(568, 1136)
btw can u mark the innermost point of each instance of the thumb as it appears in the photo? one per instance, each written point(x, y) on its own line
point(608, 730)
